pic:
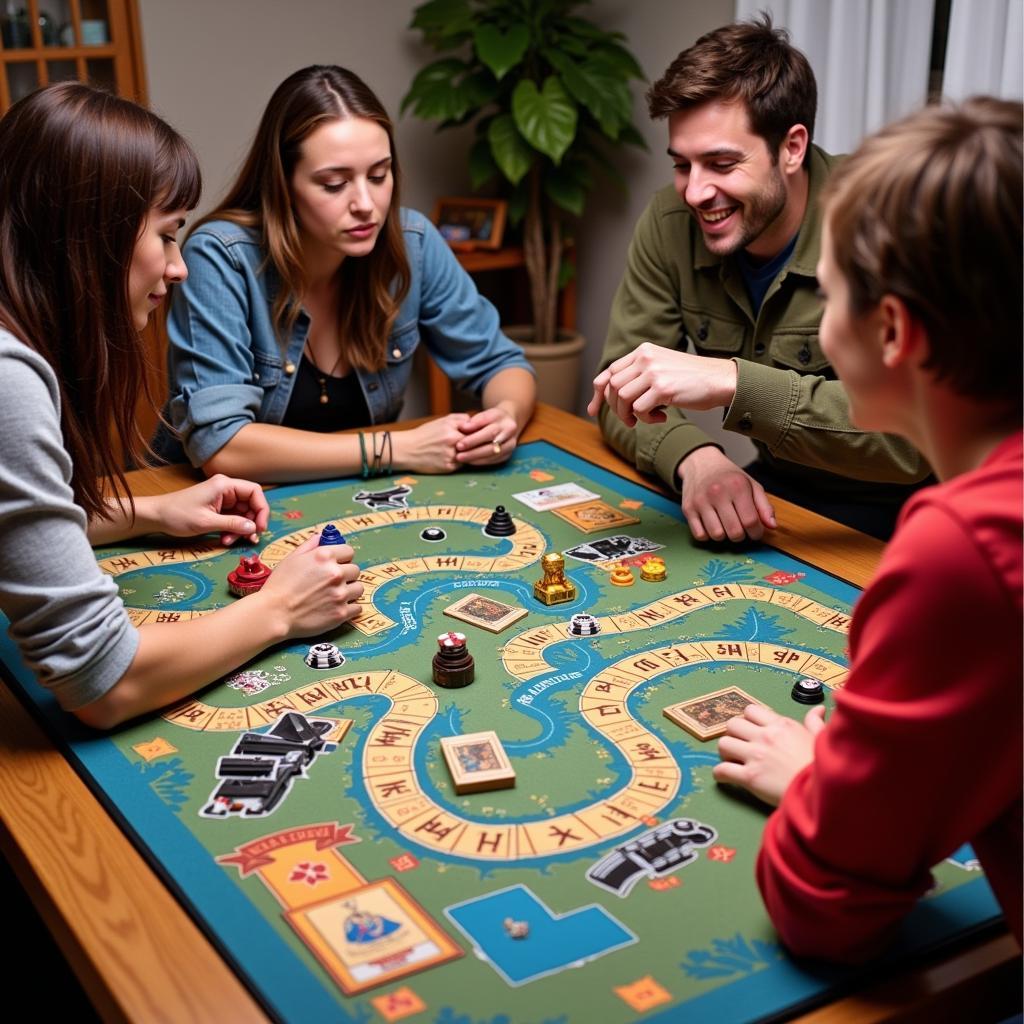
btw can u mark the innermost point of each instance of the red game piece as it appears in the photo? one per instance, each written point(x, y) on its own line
point(453, 664)
point(249, 577)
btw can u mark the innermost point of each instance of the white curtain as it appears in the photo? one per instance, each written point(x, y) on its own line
point(870, 58)
point(985, 53)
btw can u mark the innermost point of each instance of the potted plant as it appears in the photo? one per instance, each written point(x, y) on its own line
point(548, 93)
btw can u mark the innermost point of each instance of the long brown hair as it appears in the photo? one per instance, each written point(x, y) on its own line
point(81, 171)
point(931, 209)
point(748, 61)
point(374, 286)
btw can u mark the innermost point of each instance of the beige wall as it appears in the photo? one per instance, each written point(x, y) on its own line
point(212, 66)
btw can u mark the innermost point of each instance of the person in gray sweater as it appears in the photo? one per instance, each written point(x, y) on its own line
point(93, 194)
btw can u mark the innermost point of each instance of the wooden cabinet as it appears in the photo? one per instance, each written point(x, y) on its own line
point(45, 41)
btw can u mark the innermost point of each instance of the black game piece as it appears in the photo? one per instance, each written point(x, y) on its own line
point(453, 664)
point(246, 767)
point(273, 746)
point(500, 524)
point(584, 624)
point(808, 691)
point(433, 534)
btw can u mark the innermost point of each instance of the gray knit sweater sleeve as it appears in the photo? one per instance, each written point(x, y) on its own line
point(65, 615)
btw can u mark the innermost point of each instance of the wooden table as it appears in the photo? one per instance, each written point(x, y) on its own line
point(140, 957)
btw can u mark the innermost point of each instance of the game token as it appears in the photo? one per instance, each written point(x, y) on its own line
point(584, 624)
point(516, 929)
point(500, 524)
point(808, 691)
point(330, 534)
point(453, 665)
point(623, 576)
point(553, 587)
point(433, 534)
point(477, 762)
point(248, 577)
point(653, 570)
point(324, 656)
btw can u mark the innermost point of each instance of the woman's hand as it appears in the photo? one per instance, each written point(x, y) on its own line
point(489, 437)
point(233, 508)
point(430, 448)
point(314, 589)
point(763, 751)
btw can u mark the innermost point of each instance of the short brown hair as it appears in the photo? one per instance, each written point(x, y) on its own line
point(373, 286)
point(929, 209)
point(749, 61)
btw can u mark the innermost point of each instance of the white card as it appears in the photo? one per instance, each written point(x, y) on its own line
point(546, 498)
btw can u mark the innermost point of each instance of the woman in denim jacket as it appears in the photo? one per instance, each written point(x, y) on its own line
point(308, 292)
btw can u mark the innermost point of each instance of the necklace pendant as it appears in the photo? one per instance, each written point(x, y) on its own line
point(324, 399)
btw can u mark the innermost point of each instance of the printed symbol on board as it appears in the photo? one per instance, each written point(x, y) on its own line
point(309, 873)
point(393, 497)
point(403, 1002)
point(781, 578)
point(404, 862)
point(157, 747)
point(654, 854)
point(294, 514)
point(540, 476)
point(643, 994)
point(723, 854)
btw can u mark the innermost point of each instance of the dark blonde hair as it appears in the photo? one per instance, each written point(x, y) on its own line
point(82, 170)
point(929, 209)
point(749, 61)
point(373, 286)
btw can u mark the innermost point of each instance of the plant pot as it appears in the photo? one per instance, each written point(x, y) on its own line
point(557, 365)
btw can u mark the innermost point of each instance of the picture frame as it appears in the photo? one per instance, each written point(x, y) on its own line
point(468, 224)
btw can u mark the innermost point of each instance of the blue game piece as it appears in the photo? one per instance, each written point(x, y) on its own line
point(331, 535)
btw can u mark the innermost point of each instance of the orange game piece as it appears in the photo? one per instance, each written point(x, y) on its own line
point(623, 577)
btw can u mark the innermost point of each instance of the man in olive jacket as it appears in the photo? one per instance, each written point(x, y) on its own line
point(725, 259)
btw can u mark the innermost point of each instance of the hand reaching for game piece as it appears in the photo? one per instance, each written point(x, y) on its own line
point(429, 448)
point(231, 507)
point(489, 438)
point(640, 384)
point(314, 589)
point(763, 751)
point(720, 500)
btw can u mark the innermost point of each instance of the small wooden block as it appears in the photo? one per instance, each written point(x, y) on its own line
point(707, 716)
point(477, 762)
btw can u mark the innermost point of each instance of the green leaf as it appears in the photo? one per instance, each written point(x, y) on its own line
point(511, 153)
point(545, 118)
point(501, 51)
point(619, 60)
point(605, 97)
point(565, 190)
point(481, 164)
point(435, 95)
point(630, 134)
point(518, 202)
point(566, 272)
point(442, 22)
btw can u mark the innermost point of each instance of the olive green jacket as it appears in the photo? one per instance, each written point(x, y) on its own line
point(787, 400)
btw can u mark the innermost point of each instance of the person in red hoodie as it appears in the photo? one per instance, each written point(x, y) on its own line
point(921, 270)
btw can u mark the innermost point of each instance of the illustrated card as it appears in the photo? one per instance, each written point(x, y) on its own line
point(485, 612)
point(707, 716)
point(477, 762)
point(609, 549)
point(591, 516)
point(544, 499)
point(372, 936)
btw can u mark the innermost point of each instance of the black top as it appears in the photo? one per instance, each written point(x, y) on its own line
point(345, 406)
point(759, 276)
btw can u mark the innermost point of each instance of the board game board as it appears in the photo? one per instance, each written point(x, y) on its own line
point(308, 820)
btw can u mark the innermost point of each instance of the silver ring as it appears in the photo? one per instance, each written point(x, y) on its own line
point(496, 445)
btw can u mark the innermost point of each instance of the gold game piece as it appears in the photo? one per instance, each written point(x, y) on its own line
point(623, 576)
point(653, 570)
point(554, 588)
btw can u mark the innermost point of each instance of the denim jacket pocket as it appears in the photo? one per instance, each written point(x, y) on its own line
point(266, 370)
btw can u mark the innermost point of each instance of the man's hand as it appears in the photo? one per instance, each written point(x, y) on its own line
point(720, 500)
point(763, 751)
point(640, 384)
